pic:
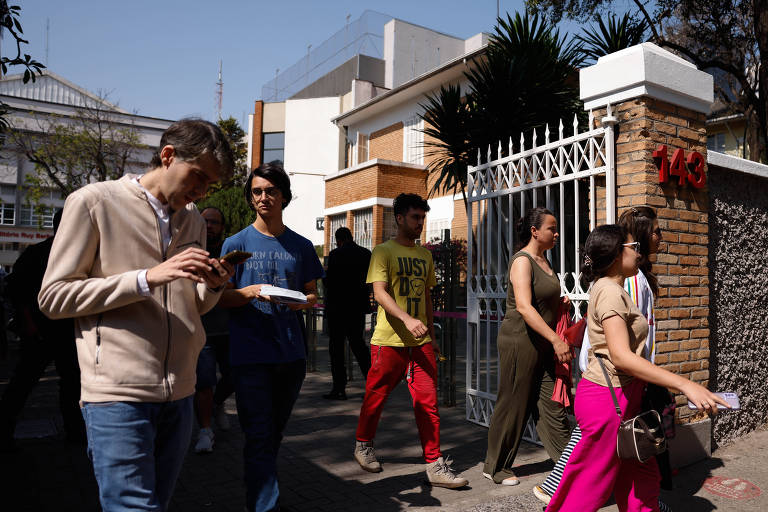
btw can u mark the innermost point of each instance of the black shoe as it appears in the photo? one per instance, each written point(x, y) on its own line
point(336, 395)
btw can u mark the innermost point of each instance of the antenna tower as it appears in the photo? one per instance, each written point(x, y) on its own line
point(219, 93)
point(47, 38)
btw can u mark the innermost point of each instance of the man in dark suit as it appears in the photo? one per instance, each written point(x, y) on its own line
point(346, 303)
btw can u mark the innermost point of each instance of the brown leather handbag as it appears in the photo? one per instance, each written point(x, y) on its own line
point(641, 437)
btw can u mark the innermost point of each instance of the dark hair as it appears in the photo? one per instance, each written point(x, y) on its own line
point(639, 222)
point(343, 235)
point(405, 202)
point(221, 214)
point(191, 138)
point(604, 244)
point(533, 218)
point(275, 174)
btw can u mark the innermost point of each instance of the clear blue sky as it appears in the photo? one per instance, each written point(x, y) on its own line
point(160, 58)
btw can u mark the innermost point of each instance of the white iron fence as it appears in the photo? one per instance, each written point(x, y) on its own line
point(573, 177)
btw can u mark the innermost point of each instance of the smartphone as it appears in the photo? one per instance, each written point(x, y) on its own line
point(731, 398)
point(236, 257)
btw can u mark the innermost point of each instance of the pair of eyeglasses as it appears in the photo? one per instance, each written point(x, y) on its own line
point(270, 191)
point(633, 245)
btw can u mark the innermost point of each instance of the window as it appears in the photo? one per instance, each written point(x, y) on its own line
point(716, 142)
point(413, 141)
point(7, 214)
point(363, 234)
point(436, 229)
point(273, 147)
point(362, 148)
point(337, 221)
point(389, 230)
point(30, 217)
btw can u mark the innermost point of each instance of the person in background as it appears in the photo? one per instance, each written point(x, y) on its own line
point(528, 346)
point(129, 265)
point(347, 299)
point(618, 331)
point(42, 341)
point(216, 350)
point(267, 350)
point(404, 343)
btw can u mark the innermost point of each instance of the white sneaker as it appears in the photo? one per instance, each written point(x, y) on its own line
point(365, 455)
point(440, 474)
point(541, 494)
point(222, 420)
point(204, 441)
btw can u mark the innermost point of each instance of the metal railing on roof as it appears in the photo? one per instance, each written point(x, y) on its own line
point(364, 36)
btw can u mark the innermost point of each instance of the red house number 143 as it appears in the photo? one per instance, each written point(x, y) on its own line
point(689, 169)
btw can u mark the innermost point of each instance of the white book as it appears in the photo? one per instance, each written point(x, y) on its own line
point(283, 295)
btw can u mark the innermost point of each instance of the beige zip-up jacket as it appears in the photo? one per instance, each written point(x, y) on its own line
point(130, 347)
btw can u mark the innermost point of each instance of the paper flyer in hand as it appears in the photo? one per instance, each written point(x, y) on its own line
point(283, 295)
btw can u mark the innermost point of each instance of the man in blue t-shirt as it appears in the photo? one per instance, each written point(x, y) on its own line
point(266, 342)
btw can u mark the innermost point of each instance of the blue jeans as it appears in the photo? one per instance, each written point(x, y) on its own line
point(137, 449)
point(265, 394)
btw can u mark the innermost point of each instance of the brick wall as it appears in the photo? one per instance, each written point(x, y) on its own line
point(387, 143)
point(376, 180)
point(682, 308)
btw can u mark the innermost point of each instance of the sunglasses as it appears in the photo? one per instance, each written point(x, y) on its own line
point(633, 245)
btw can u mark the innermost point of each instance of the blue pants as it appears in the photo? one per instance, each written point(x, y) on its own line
point(137, 449)
point(265, 394)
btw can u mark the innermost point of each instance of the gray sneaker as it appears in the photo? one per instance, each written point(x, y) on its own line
point(440, 474)
point(365, 455)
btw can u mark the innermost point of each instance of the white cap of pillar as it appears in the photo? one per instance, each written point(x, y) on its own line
point(646, 70)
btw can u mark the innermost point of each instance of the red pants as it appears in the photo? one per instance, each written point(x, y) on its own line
point(388, 366)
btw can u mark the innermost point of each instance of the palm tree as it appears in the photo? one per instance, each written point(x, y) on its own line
point(617, 35)
point(525, 80)
point(447, 121)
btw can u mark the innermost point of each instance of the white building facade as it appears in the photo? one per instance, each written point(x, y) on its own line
point(30, 107)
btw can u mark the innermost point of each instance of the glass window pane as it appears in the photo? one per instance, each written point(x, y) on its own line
point(274, 140)
point(270, 155)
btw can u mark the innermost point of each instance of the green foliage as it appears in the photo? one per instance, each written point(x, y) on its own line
point(236, 137)
point(448, 123)
point(525, 81)
point(727, 38)
point(450, 260)
point(9, 21)
point(618, 34)
point(230, 200)
point(70, 152)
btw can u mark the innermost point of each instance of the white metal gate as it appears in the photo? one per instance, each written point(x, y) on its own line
point(573, 177)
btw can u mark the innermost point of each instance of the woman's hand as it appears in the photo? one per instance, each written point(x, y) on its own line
point(702, 398)
point(562, 350)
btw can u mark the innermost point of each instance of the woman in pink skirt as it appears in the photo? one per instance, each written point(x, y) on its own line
point(617, 332)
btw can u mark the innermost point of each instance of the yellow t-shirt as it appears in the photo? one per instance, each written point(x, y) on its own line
point(409, 273)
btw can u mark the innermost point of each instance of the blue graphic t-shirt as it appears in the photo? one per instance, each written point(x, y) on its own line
point(262, 332)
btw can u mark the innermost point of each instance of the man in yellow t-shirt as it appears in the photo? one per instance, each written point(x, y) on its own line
point(403, 344)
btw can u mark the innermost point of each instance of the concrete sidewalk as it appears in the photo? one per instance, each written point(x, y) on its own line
point(317, 472)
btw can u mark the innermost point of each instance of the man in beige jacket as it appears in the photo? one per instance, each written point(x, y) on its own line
point(129, 265)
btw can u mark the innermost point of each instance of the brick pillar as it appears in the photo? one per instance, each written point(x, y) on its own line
point(660, 99)
point(378, 225)
point(327, 236)
point(258, 121)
